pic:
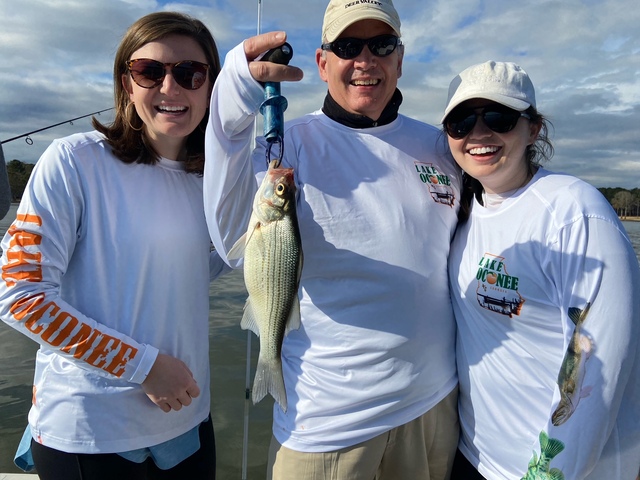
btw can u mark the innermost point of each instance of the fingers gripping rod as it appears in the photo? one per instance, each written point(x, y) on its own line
point(275, 104)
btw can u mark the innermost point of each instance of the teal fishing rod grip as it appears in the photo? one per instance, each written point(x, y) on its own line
point(274, 103)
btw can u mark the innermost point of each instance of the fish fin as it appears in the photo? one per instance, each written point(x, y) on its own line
point(269, 379)
point(586, 391)
point(549, 447)
point(555, 474)
point(293, 323)
point(578, 315)
point(237, 251)
point(255, 234)
point(248, 321)
point(544, 439)
point(574, 315)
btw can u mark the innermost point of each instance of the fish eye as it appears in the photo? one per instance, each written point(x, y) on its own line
point(280, 189)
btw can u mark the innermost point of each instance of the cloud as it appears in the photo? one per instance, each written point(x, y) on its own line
point(583, 57)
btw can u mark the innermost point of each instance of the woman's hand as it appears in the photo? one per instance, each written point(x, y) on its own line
point(170, 384)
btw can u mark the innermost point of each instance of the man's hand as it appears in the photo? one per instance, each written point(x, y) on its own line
point(268, 71)
point(170, 384)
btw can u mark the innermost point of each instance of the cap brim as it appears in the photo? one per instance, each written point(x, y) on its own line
point(340, 25)
point(519, 105)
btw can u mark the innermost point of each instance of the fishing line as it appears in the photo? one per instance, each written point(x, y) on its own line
point(247, 381)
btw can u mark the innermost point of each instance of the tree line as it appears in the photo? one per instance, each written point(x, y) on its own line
point(625, 202)
point(18, 173)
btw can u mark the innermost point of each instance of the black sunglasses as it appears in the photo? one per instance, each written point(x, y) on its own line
point(497, 118)
point(348, 48)
point(149, 73)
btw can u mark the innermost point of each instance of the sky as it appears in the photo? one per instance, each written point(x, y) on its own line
point(583, 57)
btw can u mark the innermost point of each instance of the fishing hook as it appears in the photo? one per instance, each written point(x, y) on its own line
point(276, 141)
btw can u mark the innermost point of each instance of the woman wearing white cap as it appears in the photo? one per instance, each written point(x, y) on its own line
point(545, 288)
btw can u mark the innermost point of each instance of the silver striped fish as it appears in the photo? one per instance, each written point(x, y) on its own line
point(272, 252)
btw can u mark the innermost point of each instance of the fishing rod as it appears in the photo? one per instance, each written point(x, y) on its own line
point(247, 381)
point(272, 109)
point(29, 141)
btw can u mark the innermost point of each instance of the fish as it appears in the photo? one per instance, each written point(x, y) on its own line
point(573, 369)
point(272, 251)
point(539, 467)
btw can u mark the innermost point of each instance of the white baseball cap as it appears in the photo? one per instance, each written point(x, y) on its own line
point(342, 13)
point(502, 82)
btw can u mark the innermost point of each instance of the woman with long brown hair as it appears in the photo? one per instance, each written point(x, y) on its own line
point(107, 266)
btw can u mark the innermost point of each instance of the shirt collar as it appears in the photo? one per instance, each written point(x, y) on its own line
point(335, 112)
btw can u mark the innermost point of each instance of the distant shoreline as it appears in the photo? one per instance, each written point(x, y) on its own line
point(623, 219)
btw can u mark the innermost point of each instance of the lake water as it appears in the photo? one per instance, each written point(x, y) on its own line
point(228, 367)
point(633, 229)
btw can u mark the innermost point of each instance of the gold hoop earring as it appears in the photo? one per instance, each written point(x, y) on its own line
point(127, 115)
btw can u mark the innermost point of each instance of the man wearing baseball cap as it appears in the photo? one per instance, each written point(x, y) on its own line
point(370, 376)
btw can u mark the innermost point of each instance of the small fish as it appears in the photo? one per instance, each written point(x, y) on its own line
point(272, 252)
point(573, 369)
point(539, 467)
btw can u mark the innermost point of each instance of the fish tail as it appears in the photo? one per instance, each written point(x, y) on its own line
point(578, 315)
point(549, 447)
point(269, 379)
point(575, 314)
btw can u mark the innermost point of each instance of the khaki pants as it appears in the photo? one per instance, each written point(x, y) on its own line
point(422, 449)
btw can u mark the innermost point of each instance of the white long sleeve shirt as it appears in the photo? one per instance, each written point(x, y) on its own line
point(94, 269)
point(517, 271)
point(376, 209)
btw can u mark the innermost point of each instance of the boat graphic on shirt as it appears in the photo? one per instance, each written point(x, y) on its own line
point(438, 183)
point(497, 290)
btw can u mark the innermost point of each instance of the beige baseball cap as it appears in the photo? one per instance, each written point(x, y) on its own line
point(342, 13)
point(502, 82)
